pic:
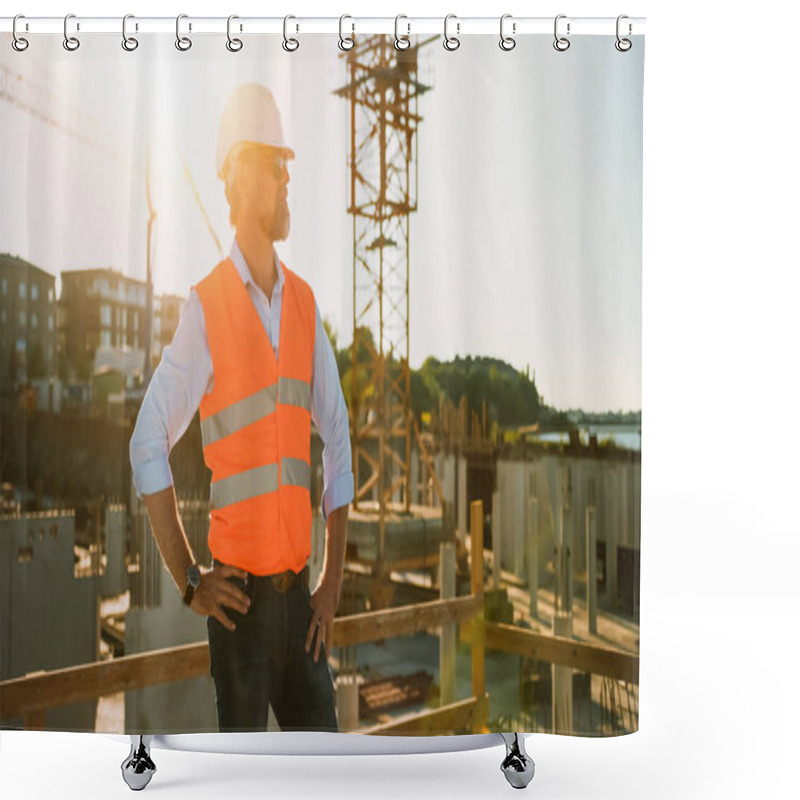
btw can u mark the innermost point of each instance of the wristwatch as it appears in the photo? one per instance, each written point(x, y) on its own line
point(192, 582)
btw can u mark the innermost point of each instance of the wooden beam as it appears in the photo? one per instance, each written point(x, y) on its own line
point(560, 650)
point(458, 716)
point(402, 621)
point(36, 693)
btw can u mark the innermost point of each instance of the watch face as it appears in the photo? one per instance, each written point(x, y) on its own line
point(193, 576)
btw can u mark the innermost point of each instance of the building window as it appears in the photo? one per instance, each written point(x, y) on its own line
point(50, 294)
point(105, 338)
point(23, 291)
point(5, 286)
point(124, 317)
point(136, 320)
point(105, 314)
point(34, 292)
point(50, 322)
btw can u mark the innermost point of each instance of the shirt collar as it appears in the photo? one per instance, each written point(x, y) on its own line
point(244, 271)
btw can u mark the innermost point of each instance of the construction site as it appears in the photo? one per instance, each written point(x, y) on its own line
point(491, 576)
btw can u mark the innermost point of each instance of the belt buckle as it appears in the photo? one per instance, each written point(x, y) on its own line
point(282, 581)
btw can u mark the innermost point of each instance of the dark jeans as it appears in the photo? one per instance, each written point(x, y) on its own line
point(264, 662)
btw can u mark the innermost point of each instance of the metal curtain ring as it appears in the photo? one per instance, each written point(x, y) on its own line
point(290, 44)
point(70, 42)
point(129, 43)
point(451, 42)
point(561, 43)
point(235, 44)
point(182, 42)
point(507, 42)
point(623, 45)
point(18, 42)
point(346, 42)
point(406, 42)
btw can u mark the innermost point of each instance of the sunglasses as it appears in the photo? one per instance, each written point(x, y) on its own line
point(275, 160)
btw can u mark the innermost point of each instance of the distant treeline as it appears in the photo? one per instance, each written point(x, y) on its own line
point(511, 397)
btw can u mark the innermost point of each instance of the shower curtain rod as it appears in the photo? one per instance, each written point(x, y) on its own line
point(406, 25)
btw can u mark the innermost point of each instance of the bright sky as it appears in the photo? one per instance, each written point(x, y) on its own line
point(527, 242)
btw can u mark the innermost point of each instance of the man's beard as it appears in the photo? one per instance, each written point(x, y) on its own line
point(279, 224)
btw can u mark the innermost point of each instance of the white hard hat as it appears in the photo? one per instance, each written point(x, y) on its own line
point(250, 116)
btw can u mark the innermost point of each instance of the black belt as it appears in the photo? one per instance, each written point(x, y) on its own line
point(281, 581)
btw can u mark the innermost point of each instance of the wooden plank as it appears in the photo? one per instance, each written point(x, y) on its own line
point(25, 695)
point(559, 650)
point(21, 696)
point(454, 717)
point(402, 621)
point(36, 720)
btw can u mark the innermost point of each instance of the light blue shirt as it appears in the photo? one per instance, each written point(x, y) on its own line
point(186, 373)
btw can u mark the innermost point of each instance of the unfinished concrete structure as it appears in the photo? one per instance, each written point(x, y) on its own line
point(48, 617)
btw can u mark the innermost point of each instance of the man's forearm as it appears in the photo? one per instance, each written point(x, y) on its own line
point(335, 543)
point(162, 508)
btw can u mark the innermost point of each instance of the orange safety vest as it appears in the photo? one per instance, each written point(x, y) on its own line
point(256, 425)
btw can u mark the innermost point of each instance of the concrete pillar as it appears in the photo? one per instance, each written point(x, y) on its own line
point(347, 702)
point(447, 637)
point(496, 540)
point(462, 521)
point(568, 503)
point(562, 681)
point(532, 533)
point(415, 498)
point(591, 567)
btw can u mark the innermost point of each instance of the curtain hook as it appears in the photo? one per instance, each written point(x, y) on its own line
point(623, 45)
point(346, 43)
point(451, 42)
point(397, 37)
point(561, 43)
point(18, 42)
point(129, 43)
point(507, 42)
point(182, 42)
point(289, 44)
point(70, 42)
point(235, 44)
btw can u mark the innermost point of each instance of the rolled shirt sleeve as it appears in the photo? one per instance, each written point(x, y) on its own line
point(176, 388)
point(329, 413)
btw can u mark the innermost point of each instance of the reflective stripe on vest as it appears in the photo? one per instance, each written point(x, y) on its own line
point(291, 392)
point(256, 425)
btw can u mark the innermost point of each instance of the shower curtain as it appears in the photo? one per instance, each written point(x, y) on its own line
point(442, 248)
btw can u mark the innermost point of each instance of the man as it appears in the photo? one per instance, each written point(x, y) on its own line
point(250, 350)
